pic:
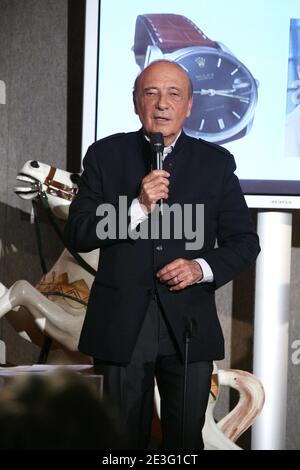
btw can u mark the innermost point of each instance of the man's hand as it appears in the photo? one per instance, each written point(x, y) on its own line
point(180, 273)
point(153, 187)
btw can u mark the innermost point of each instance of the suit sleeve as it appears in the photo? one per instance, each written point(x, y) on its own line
point(83, 222)
point(237, 241)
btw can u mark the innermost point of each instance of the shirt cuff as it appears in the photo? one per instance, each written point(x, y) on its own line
point(206, 270)
point(137, 215)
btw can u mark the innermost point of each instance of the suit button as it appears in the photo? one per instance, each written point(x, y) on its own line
point(159, 248)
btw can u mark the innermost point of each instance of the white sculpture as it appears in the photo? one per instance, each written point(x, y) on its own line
point(57, 304)
point(222, 435)
point(33, 311)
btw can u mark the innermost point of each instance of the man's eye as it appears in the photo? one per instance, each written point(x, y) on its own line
point(175, 94)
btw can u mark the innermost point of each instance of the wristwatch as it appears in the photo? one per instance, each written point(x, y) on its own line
point(224, 90)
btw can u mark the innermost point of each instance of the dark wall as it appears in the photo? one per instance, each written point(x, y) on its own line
point(33, 125)
point(76, 15)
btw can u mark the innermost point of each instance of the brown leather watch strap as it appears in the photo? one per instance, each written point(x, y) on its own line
point(169, 32)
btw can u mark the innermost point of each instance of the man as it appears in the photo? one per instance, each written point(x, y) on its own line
point(152, 297)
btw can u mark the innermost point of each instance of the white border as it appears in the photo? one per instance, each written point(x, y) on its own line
point(273, 202)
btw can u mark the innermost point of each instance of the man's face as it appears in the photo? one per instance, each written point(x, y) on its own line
point(162, 99)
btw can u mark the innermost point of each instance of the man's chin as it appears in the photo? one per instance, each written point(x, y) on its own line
point(168, 134)
point(161, 128)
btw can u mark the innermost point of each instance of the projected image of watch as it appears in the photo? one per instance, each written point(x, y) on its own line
point(225, 92)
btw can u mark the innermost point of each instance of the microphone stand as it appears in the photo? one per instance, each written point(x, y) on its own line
point(188, 336)
point(157, 145)
point(159, 166)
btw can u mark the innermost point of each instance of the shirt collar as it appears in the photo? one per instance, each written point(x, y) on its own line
point(168, 149)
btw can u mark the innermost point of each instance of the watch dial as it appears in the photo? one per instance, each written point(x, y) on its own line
point(225, 95)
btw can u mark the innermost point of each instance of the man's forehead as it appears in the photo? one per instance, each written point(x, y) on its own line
point(168, 78)
point(162, 74)
point(155, 85)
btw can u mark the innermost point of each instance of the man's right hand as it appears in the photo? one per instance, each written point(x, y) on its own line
point(153, 188)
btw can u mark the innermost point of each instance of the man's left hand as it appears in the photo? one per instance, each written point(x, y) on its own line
point(180, 274)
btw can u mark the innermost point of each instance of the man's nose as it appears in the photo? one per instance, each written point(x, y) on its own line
point(162, 102)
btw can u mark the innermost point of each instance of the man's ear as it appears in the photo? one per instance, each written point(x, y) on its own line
point(189, 109)
point(134, 103)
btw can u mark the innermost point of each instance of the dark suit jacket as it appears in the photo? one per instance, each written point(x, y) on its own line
point(200, 173)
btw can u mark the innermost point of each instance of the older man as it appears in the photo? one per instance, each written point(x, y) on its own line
point(154, 295)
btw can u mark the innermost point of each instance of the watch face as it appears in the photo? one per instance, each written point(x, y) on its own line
point(225, 94)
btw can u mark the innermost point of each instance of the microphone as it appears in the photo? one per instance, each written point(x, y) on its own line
point(157, 146)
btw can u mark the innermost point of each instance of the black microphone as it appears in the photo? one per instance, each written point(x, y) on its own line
point(157, 146)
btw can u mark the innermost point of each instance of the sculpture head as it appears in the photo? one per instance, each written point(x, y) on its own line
point(60, 186)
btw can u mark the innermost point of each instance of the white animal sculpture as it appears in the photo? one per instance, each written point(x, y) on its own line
point(39, 310)
point(33, 311)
